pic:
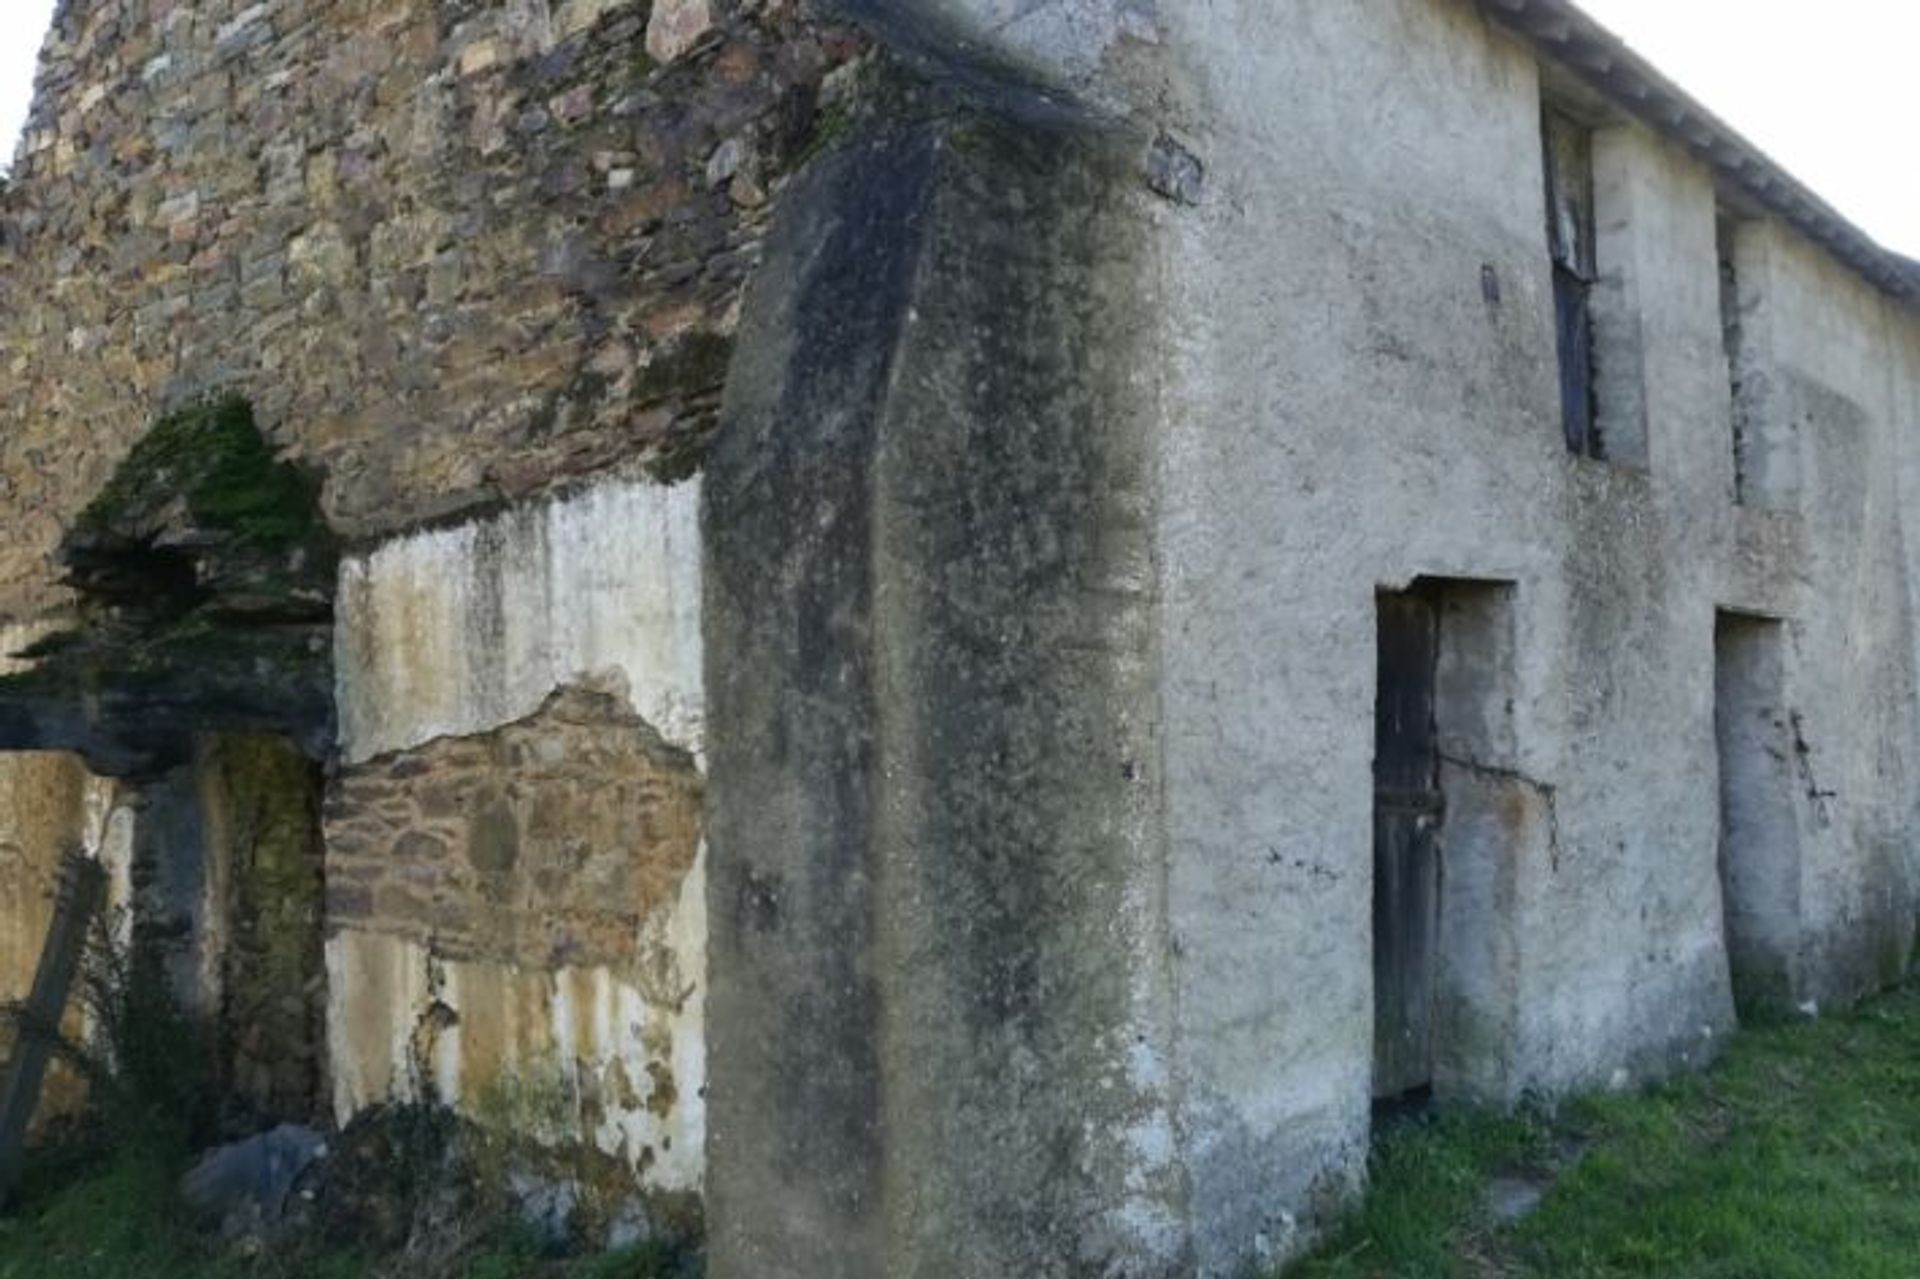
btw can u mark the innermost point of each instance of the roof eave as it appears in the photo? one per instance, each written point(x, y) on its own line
point(1601, 59)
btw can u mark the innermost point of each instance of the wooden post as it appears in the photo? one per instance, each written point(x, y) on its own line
point(82, 881)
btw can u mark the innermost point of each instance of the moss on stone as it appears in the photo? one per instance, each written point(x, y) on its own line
point(831, 122)
point(695, 363)
point(678, 460)
point(205, 576)
point(211, 456)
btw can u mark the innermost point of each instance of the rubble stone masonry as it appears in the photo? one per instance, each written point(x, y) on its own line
point(525, 909)
point(455, 253)
point(545, 843)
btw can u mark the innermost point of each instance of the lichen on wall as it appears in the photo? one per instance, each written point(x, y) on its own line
point(261, 799)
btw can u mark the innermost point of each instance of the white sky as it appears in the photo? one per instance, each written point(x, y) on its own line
point(22, 25)
point(1830, 89)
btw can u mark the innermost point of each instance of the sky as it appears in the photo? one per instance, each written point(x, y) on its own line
point(22, 24)
point(1830, 90)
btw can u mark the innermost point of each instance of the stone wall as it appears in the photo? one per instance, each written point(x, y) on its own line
point(1114, 358)
point(545, 843)
point(454, 253)
point(464, 260)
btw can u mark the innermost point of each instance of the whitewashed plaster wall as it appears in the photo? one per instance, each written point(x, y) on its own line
point(456, 632)
point(1361, 310)
point(459, 630)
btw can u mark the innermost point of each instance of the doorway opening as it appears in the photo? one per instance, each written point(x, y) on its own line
point(1408, 809)
point(264, 973)
point(1759, 844)
point(195, 670)
point(1450, 807)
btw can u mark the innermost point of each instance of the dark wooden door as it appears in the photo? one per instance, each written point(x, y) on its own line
point(1407, 810)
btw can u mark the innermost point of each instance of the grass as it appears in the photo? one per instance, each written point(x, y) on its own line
point(1797, 1157)
point(116, 1216)
point(115, 1220)
point(103, 1200)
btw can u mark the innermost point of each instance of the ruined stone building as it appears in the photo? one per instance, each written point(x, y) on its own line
point(967, 625)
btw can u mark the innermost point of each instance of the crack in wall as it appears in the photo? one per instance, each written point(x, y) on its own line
point(1817, 795)
point(1548, 793)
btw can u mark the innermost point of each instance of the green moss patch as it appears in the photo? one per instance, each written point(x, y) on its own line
point(693, 364)
point(205, 576)
point(209, 459)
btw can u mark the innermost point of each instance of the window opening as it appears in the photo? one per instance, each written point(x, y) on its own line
point(1732, 340)
point(1570, 236)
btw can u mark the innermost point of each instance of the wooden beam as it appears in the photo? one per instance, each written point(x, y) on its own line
point(82, 885)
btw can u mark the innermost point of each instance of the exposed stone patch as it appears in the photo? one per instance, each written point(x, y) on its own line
point(547, 843)
point(1175, 172)
point(517, 929)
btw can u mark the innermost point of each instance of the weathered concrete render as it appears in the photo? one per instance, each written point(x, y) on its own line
point(1348, 386)
point(929, 658)
point(462, 629)
point(863, 535)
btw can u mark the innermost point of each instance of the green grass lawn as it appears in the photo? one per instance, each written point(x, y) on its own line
point(1798, 1156)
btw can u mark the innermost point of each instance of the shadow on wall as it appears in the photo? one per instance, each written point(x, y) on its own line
point(195, 667)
